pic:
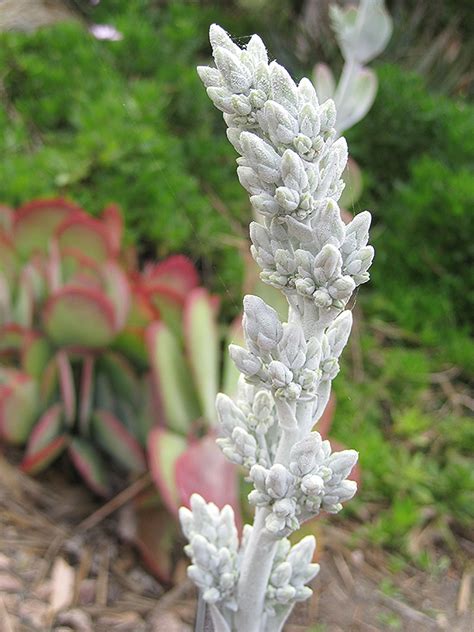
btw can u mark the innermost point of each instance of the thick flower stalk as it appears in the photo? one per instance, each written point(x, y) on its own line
point(291, 164)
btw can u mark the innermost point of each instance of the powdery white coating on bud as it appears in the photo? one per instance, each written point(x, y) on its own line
point(293, 346)
point(292, 569)
point(315, 480)
point(247, 363)
point(213, 551)
point(291, 166)
point(262, 327)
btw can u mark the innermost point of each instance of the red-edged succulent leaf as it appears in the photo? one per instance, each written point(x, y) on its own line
point(5, 301)
point(76, 268)
point(35, 223)
point(155, 537)
point(325, 422)
point(19, 398)
point(131, 340)
point(86, 391)
point(66, 383)
point(120, 374)
point(164, 449)
point(53, 272)
point(12, 338)
point(235, 335)
point(87, 234)
point(202, 346)
point(74, 262)
point(203, 469)
point(178, 273)
point(46, 441)
point(173, 378)
point(40, 460)
point(104, 396)
point(131, 343)
point(117, 289)
point(169, 305)
point(113, 221)
point(35, 354)
point(80, 317)
point(89, 464)
point(150, 412)
point(49, 382)
point(142, 312)
point(48, 427)
point(25, 302)
point(117, 441)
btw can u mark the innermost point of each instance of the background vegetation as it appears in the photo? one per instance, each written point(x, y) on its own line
point(129, 122)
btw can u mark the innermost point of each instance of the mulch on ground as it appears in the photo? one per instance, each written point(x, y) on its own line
point(64, 566)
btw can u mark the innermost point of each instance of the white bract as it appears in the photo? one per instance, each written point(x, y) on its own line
point(291, 164)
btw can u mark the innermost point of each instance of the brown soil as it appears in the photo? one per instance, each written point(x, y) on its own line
point(61, 571)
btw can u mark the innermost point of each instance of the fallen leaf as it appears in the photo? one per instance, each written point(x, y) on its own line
point(62, 585)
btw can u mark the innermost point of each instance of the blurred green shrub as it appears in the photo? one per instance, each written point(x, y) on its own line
point(125, 121)
point(417, 151)
point(425, 250)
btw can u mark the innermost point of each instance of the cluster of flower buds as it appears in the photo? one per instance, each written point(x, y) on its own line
point(213, 546)
point(292, 569)
point(279, 358)
point(250, 435)
point(291, 165)
point(315, 479)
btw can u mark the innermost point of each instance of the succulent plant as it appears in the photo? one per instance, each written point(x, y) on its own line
point(101, 359)
point(74, 309)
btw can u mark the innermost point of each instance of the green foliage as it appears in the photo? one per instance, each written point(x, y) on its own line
point(423, 279)
point(126, 121)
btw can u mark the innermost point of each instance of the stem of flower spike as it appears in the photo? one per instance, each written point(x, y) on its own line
point(254, 574)
point(260, 550)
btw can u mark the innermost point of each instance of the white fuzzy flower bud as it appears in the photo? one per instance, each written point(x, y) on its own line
point(292, 348)
point(281, 575)
point(280, 375)
point(288, 199)
point(262, 327)
point(245, 361)
point(303, 454)
point(235, 74)
point(278, 481)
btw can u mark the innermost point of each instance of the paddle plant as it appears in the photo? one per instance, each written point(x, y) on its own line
point(187, 372)
point(74, 312)
point(291, 162)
